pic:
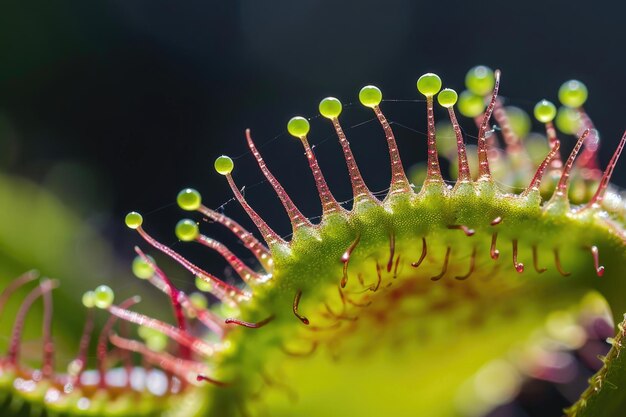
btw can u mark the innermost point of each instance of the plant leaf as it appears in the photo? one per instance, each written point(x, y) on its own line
point(606, 394)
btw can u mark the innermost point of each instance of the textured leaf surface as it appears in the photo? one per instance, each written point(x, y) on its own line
point(606, 395)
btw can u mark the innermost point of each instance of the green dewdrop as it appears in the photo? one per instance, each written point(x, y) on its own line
point(573, 93)
point(227, 310)
point(187, 230)
point(89, 299)
point(470, 104)
point(370, 96)
point(480, 80)
point(198, 300)
point(103, 297)
point(519, 120)
point(429, 84)
point(298, 126)
point(330, 107)
point(141, 268)
point(203, 285)
point(567, 120)
point(155, 340)
point(133, 220)
point(224, 165)
point(545, 111)
point(189, 199)
point(447, 97)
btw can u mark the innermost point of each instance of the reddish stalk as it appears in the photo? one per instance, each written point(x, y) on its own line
point(269, 235)
point(468, 232)
point(561, 188)
point(47, 367)
point(345, 259)
point(464, 175)
point(248, 324)
point(445, 266)
point(422, 256)
point(559, 268)
point(596, 262)
point(493, 252)
point(83, 347)
point(225, 292)
point(536, 261)
point(484, 174)
point(557, 162)
point(185, 369)
point(472, 266)
point(246, 273)
point(359, 189)
point(606, 176)
point(182, 337)
point(45, 286)
point(519, 267)
point(101, 350)
point(510, 138)
point(399, 181)
point(589, 156)
point(329, 204)
point(295, 216)
point(160, 281)
point(172, 291)
point(14, 285)
point(296, 303)
point(535, 183)
point(433, 171)
point(392, 251)
point(259, 250)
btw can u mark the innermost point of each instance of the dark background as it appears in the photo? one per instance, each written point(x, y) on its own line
point(118, 105)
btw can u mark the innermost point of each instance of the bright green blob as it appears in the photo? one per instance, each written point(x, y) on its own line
point(157, 343)
point(417, 173)
point(133, 220)
point(103, 296)
point(370, 96)
point(224, 165)
point(187, 230)
point(298, 126)
point(227, 310)
point(203, 285)
point(155, 340)
point(470, 104)
point(189, 199)
point(519, 120)
point(429, 84)
point(545, 111)
point(446, 140)
point(480, 80)
point(537, 148)
point(330, 107)
point(198, 300)
point(141, 268)
point(89, 299)
point(447, 97)
point(568, 120)
point(573, 93)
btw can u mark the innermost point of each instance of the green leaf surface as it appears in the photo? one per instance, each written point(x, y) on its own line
point(606, 395)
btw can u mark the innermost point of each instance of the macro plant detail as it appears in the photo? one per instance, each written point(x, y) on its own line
point(440, 299)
